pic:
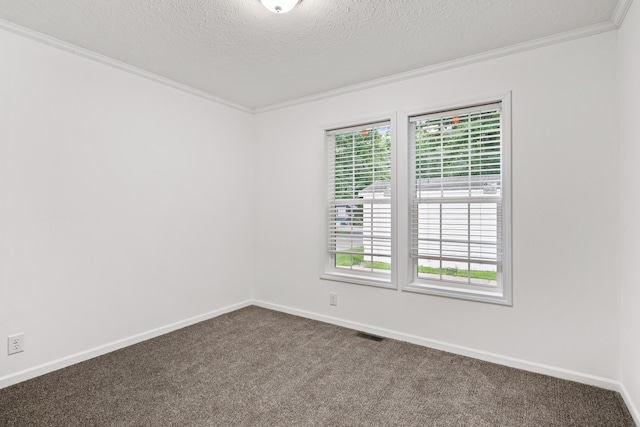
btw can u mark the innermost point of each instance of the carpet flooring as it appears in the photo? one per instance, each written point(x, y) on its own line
point(257, 367)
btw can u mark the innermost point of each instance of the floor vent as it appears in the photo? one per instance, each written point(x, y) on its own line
point(369, 336)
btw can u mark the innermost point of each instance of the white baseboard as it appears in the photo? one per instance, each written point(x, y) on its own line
point(630, 405)
point(54, 365)
point(513, 362)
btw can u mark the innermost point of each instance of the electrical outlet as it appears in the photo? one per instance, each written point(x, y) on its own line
point(16, 343)
point(333, 298)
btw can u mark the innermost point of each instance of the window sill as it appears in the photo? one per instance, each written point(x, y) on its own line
point(480, 295)
point(379, 282)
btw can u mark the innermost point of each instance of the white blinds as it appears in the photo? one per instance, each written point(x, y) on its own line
point(457, 195)
point(360, 197)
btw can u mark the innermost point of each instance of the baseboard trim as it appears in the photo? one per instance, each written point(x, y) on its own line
point(633, 409)
point(63, 362)
point(513, 362)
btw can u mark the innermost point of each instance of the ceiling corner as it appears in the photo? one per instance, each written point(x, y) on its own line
point(620, 12)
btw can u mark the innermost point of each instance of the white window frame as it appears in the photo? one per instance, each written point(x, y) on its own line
point(328, 269)
point(499, 295)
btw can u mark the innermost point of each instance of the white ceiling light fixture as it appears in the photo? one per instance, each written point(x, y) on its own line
point(280, 6)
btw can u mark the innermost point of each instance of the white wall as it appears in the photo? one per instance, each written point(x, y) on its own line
point(630, 206)
point(123, 204)
point(566, 310)
point(117, 215)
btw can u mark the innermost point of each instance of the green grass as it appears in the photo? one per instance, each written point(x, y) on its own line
point(347, 260)
point(377, 265)
point(475, 274)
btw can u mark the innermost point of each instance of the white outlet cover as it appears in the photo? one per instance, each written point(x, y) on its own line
point(15, 344)
point(333, 298)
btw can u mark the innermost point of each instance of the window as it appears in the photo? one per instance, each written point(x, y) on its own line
point(459, 218)
point(421, 202)
point(359, 195)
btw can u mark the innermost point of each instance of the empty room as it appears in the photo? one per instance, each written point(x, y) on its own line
point(319, 213)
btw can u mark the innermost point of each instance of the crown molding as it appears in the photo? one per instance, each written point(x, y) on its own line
point(456, 63)
point(85, 53)
point(616, 21)
point(620, 12)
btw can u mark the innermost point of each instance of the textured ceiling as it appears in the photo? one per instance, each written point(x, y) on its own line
point(239, 51)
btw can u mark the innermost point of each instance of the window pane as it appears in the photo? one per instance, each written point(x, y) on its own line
point(360, 195)
point(457, 196)
point(483, 274)
point(362, 158)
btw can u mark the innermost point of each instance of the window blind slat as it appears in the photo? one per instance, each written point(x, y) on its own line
point(458, 112)
point(456, 208)
point(359, 227)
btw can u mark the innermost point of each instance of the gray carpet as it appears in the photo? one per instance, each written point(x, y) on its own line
point(256, 367)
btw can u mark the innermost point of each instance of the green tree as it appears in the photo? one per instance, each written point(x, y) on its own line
point(458, 145)
point(361, 158)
